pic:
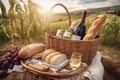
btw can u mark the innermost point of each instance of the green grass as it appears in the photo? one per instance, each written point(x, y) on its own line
point(110, 49)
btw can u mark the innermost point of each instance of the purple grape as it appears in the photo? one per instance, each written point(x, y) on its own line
point(9, 59)
point(2, 60)
point(7, 55)
point(16, 47)
point(13, 50)
point(17, 51)
point(13, 56)
point(3, 73)
point(16, 60)
point(4, 65)
point(11, 65)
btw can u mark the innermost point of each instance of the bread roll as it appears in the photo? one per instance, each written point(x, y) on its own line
point(57, 59)
point(31, 50)
point(95, 27)
point(47, 52)
point(48, 57)
point(39, 67)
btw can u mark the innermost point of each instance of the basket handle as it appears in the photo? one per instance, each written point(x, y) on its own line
point(49, 17)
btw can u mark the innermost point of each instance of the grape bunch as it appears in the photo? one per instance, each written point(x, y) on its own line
point(8, 60)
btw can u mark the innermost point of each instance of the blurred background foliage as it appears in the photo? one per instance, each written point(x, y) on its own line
point(24, 23)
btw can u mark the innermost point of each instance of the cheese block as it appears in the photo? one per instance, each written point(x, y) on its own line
point(58, 59)
point(48, 57)
point(47, 52)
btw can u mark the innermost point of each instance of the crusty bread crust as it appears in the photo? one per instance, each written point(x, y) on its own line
point(95, 27)
point(56, 58)
point(48, 57)
point(53, 57)
point(47, 52)
point(31, 50)
point(40, 67)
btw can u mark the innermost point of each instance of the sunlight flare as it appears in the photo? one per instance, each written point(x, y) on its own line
point(47, 5)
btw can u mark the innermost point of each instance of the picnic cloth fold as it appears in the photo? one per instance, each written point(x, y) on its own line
point(95, 70)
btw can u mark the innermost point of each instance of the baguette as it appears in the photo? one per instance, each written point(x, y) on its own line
point(95, 27)
point(39, 67)
point(31, 50)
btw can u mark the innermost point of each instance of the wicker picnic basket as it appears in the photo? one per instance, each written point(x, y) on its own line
point(86, 48)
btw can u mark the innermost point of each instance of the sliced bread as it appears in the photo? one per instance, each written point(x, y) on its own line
point(57, 59)
point(47, 52)
point(49, 56)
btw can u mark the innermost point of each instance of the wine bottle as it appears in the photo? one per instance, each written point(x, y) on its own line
point(80, 29)
point(69, 32)
point(60, 33)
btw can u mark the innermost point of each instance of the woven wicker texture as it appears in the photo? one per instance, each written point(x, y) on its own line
point(86, 48)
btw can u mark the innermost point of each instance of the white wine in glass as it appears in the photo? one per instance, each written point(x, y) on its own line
point(75, 60)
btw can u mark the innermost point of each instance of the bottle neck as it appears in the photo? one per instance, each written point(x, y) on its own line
point(73, 25)
point(84, 15)
point(82, 20)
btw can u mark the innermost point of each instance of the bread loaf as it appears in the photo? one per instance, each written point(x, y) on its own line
point(95, 27)
point(57, 59)
point(39, 67)
point(53, 57)
point(47, 52)
point(48, 57)
point(31, 50)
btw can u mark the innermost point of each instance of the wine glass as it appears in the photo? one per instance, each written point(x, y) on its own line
point(75, 60)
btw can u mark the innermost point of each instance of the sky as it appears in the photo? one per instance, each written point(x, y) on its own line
point(73, 5)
